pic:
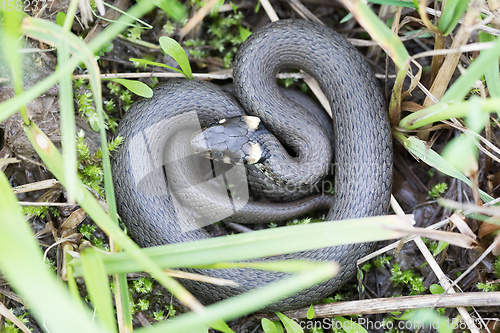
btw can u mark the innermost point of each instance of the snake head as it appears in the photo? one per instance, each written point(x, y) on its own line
point(232, 140)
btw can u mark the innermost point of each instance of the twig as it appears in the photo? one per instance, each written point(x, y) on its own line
point(303, 11)
point(383, 305)
point(269, 10)
point(197, 18)
point(461, 49)
point(220, 75)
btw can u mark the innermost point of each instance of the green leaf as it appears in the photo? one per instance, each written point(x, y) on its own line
point(479, 66)
point(419, 148)
point(397, 3)
point(290, 325)
point(452, 12)
point(220, 325)
point(346, 18)
point(461, 153)
point(436, 289)
point(271, 326)
point(256, 244)
point(440, 247)
point(172, 8)
point(492, 75)
point(432, 319)
point(60, 18)
point(244, 33)
point(350, 326)
point(175, 50)
point(310, 312)
point(235, 8)
point(137, 87)
point(96, 281)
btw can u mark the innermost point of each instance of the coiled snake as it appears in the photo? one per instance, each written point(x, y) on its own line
point(162, 200)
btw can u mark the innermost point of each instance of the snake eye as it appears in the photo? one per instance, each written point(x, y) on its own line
point(253, 152)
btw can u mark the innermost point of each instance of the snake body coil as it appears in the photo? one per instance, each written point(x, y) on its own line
point(156, 130)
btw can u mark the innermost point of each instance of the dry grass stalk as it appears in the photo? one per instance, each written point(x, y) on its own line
point(403, 303)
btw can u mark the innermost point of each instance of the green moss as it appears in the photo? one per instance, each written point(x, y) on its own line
point(408, 278)
point(142, 285)
point(225, 34)
point(9, 327)
point(90, 170)
point(437, 190)
point(490, 286)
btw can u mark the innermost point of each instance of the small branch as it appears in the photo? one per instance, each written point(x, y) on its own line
point(383, 305)
point(271, 13)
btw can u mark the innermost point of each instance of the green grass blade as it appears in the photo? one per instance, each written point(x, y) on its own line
point(257, 244)
point(10, 38)
point(492, 74)
point(97, 284)
point(397, 3)
point(21, 263)
point(53, 34)
point(419, 148)
point(175, 50)
point(153, 63)
point(173, 8)
point(442, 111)
point(430, 318)
point(220, 325)
point(462, 151)
point(380, 32)
point(145, 24)
point(49, 32)
point(452, 13)
point(464, 83)
point(67, 112)
point(246, 303)
point(126, 314)
point(73, 287)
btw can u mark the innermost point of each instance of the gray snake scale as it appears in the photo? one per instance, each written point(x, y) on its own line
point(362, 151)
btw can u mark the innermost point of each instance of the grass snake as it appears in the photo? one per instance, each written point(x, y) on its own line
point(162, 190)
